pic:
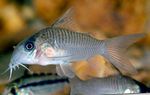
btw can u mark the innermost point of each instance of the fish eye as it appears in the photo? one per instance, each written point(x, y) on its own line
point(29, 46)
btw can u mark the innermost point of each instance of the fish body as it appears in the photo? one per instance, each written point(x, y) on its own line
point(117, 85)
point(62, 46)
point(38, 84)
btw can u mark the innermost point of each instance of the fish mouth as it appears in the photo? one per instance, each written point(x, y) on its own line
point(12, 67)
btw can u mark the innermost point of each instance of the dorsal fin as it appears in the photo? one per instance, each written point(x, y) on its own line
point(67, 21)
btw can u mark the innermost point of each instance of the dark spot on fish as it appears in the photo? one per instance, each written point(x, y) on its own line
point(143, 88)
point(13, 91)
point(32, 39)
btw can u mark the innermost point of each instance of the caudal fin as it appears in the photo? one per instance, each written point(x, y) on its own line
point(115, 52)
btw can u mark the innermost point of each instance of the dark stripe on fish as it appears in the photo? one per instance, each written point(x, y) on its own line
point(36, 80)
point(40, 83)
point(33, 75)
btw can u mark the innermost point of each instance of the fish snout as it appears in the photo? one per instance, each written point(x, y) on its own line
point(13, 63)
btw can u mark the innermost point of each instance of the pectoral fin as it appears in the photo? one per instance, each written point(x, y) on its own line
point(59, 71)
point(64, 70)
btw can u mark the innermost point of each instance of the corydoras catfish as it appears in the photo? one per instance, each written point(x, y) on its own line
point(38, 84)
point(61, 46)
point(112, 85)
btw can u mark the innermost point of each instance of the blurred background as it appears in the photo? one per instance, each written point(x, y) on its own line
point(100, 18)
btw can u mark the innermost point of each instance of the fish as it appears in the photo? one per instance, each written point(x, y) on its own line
point(112, 85)
point(61, 47)
point(38, 84)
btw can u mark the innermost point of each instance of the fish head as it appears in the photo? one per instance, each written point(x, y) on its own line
point(29, 51)
point(24, 53)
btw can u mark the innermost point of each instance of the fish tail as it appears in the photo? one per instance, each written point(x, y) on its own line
point(114, 52)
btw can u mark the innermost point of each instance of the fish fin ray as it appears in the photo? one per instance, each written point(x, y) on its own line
point(59, 71)
point(65, 70)
point(67, 21)
point(115, 49)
